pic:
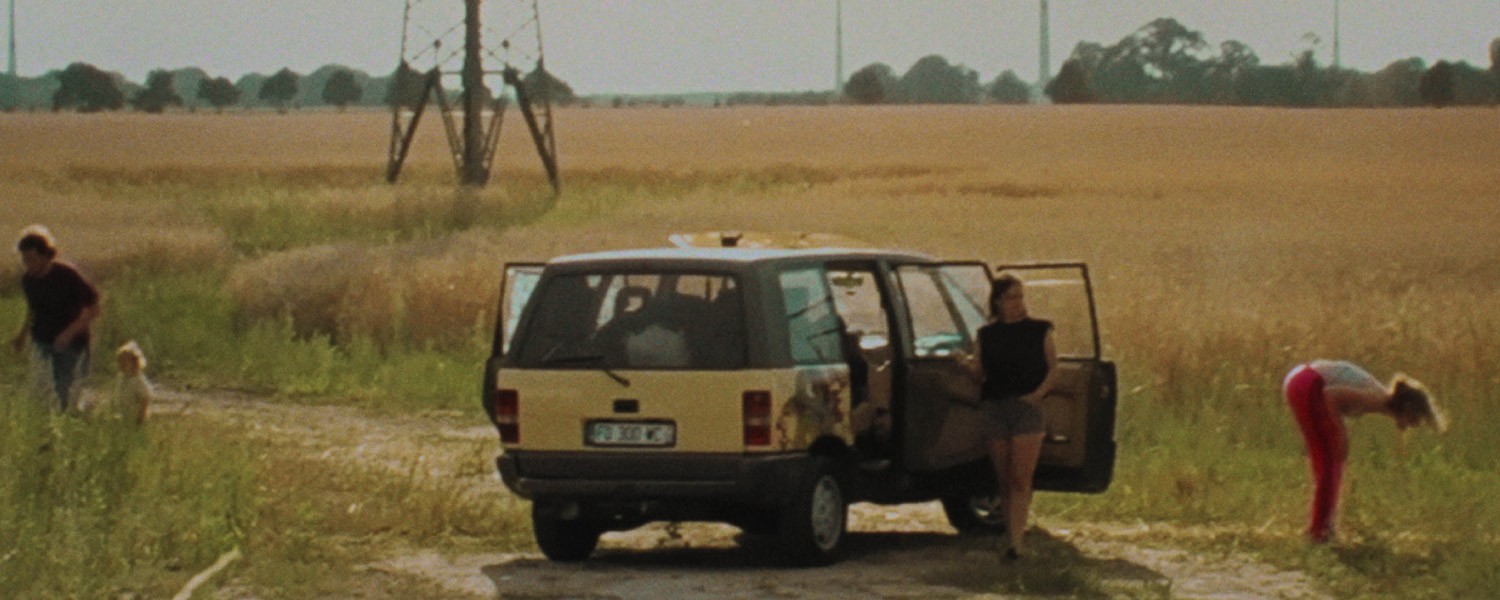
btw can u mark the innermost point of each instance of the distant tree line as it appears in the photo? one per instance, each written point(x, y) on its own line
point(1163, 62)
point(85, 88)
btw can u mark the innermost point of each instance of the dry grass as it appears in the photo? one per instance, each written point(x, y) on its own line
point(1227, 243)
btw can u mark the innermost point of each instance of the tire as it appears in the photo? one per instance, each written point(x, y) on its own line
point(975, 515)
point(812, 526)
point(564, 540)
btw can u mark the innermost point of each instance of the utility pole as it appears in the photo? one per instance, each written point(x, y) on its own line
point(1335, 34)
point(1044, 70)
point(475, 171)
point(838, 49)
point(12, 63)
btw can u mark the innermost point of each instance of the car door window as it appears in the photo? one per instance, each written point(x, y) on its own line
point(857, 297)
point(937, 329)
point(968, 286)
point(520, 282)
point(811, 324)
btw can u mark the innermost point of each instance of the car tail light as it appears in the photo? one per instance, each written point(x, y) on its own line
point(508, 415)
point(757, 415)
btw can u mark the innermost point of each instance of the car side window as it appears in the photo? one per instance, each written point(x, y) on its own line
point(937, 330)
point(811, 324)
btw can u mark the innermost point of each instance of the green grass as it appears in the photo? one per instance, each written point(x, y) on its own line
point(1206, 441)
point(96, 507)
point(1202, 336)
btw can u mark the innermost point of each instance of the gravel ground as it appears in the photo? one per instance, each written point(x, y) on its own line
point(893, 551)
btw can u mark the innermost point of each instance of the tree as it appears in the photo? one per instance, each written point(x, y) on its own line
point(279, 89)
point(1009, 89)
point(542, 86)
point(1157, 63)
point(341, 89)
point(1495, 56)
point(871, 84)
point(88, 89)
point(1495, 67)
point(1396, 84)
point(218, 92)
point(158, 95)
point(932, 80)
point(1234, 60)
point(185, 82)
point(406, 87)
point(1436, 86)
point(1071, 86)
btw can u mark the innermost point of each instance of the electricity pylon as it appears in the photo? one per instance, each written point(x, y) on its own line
point(473, 145)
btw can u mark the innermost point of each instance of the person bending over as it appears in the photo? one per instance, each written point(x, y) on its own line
point(1320, 393)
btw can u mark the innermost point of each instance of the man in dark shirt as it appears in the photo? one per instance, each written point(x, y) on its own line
point(60, 306)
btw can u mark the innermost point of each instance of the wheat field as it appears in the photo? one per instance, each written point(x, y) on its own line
point(1228, 244)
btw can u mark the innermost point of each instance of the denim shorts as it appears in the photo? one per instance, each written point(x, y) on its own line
point(1010, 416)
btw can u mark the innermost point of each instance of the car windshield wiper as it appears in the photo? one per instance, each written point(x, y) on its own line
point(586, 359)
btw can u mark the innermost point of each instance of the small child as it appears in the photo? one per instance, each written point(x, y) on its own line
point(133, 391)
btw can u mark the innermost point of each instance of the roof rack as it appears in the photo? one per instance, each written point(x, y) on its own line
point(765, 239)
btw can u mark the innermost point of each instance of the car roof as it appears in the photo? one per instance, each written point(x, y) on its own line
point(730, 256)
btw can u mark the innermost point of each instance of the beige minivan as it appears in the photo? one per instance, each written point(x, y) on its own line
point(770, 388)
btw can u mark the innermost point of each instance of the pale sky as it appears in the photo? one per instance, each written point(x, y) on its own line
point(662, 46)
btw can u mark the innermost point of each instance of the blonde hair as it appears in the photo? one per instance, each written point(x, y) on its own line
point(1412, 403)
point(132, 349)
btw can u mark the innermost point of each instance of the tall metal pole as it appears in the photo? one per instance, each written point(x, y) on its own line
point(838, 49)
point(475, 172)
point(1336, 61)
point(12, 63)
point(1044, 53)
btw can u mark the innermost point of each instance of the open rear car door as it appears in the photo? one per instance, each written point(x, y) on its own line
point(515, 290)
point(1078, 452)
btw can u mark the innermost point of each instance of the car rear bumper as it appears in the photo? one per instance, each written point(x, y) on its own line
point(624, 476)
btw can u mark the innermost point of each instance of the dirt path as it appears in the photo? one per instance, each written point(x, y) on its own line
point(893, 552)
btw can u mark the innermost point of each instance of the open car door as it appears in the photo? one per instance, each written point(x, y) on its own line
point(515, 291)
point(1078, 452)
point(940, 412)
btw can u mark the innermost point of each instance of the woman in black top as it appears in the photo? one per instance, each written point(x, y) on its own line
point(1019, 360)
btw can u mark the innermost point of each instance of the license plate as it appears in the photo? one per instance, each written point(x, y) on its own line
point(618, 433)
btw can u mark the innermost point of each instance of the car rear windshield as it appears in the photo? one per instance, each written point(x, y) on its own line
point(635, 321)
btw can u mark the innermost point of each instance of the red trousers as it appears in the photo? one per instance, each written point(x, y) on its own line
point(1327, 446)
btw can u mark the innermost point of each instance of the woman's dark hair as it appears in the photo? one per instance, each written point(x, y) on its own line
point(37, 239)
point(1001, 285)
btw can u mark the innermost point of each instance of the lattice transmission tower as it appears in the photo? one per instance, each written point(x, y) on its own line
point(446, 43)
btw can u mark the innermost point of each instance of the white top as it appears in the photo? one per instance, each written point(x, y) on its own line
point(1345, 374)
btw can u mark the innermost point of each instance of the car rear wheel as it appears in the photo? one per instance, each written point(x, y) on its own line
point(982, 515)
point(813, 525)
point(564, 540)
